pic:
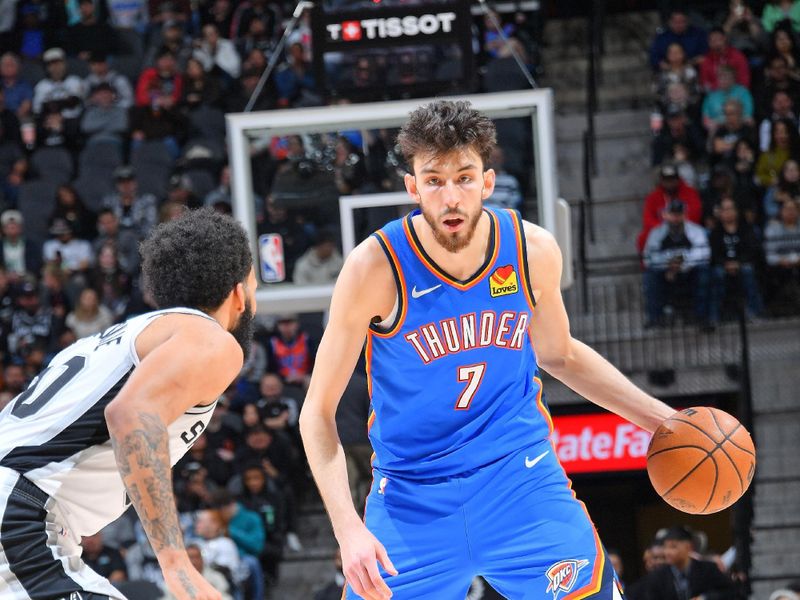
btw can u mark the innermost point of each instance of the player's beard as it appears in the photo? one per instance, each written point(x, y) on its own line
point(243, 330)
point(456, 241)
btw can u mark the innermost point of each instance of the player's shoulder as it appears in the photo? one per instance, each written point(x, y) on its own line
point(203, 338)
point(538, 239)
point(368, 259)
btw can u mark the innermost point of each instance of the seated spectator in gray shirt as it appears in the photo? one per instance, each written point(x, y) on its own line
point(676, 252)
point(136, 212)
point(103, 120)
point(506, 192)
point(782, 246)
point(321, 263)
point(101, 73)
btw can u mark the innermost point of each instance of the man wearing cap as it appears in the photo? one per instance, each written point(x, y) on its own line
point(676, 252)
point(102, 120)
point(670, 187)
point(684, 577)
point(18, 255)
point(31, 322)
point(73, 254)
point(135, 212)
point(58, 87)
point(100, 72)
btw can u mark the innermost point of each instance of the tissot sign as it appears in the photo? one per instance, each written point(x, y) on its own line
point(392, 48)
point(410, 26)
point(599, 442)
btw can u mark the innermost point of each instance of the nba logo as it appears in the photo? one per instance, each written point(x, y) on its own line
point(270, 252)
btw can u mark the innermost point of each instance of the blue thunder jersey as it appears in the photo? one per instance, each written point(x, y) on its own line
point(453, 378)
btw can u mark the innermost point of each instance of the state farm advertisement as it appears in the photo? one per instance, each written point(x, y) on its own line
point(601, 442)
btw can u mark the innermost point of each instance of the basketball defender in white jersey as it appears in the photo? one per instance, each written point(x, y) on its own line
point(102, 425)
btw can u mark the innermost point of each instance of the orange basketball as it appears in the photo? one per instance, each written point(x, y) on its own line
point(701, 460)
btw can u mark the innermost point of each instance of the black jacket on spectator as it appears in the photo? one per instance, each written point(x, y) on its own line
point(741, 246)
point(97, 38)
point(704, 578)
point(692, 139)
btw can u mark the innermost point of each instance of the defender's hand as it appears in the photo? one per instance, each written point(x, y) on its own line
point(361, 551)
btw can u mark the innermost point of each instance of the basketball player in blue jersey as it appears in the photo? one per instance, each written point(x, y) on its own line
point(102, 425)
point(459, 306)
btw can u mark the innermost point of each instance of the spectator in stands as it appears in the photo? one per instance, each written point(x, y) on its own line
point(172, 38)
point(112, 283)
point(262, 10)
point(180, 191)
point(784, 144)
point(134, 211)
point(200, 88)
point(670, 187)
point(14, 379)
point(128, 14)
point(100, 72)
point(125, 241)
point(89, 35)
point(652, 558)
point(728, 89)
point(787, 188)
point(492, 37)
point(676, 257)
point(744, 30)
point(506, 193)
point(73, 254)
point(246, 529)
point(271, 450)
point(291, 351)
point(89, 316)
point(104, 120)
point(778, 11)
point(222, 193)
point(693, 39)
point(31, 322)
point(782, 248)
point(782, 108)
point(18, 93)
point(783, 45)
point(65, 91)
point(734, 254)
point(212, 576)
point(256, 38)
point(18, 254)
point(218, 54)
point(161, 85)
point(684, 576)
point(679, 131)
point(219, 550)
point(777, 78)
point(719, 54)
point(262, 495)
point(676, 70)
point(106, 562)
point(6, 306)
point(70, 207)
point(220, 13)
point(271, 389)
point(725, 136)
point(294, 80)
point(720, 185)
point(53, 295)
point(320, 265)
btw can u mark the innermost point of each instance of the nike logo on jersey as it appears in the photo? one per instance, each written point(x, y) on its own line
point(531, 463)
point(420, 293)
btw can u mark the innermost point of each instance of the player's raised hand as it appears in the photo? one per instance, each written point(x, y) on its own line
point(361, 553)
point(186, 583)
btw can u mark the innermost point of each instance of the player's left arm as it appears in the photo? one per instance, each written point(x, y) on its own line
point(570, 361)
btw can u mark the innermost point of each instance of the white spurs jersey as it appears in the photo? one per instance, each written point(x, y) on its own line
point(55, 433)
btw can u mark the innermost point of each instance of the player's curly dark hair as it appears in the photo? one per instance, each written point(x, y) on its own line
point(195, 260)
point(446, 125)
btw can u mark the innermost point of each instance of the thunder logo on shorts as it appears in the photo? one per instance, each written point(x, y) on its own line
point(456, 364)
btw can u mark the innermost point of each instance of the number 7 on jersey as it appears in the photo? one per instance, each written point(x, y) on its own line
point(472, 375)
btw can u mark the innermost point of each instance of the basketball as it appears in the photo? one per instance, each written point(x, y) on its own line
point(701, 460)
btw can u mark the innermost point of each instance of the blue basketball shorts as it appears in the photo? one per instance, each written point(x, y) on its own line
point(516, 523)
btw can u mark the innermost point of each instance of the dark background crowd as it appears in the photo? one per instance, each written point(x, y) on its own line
point(721, 226)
